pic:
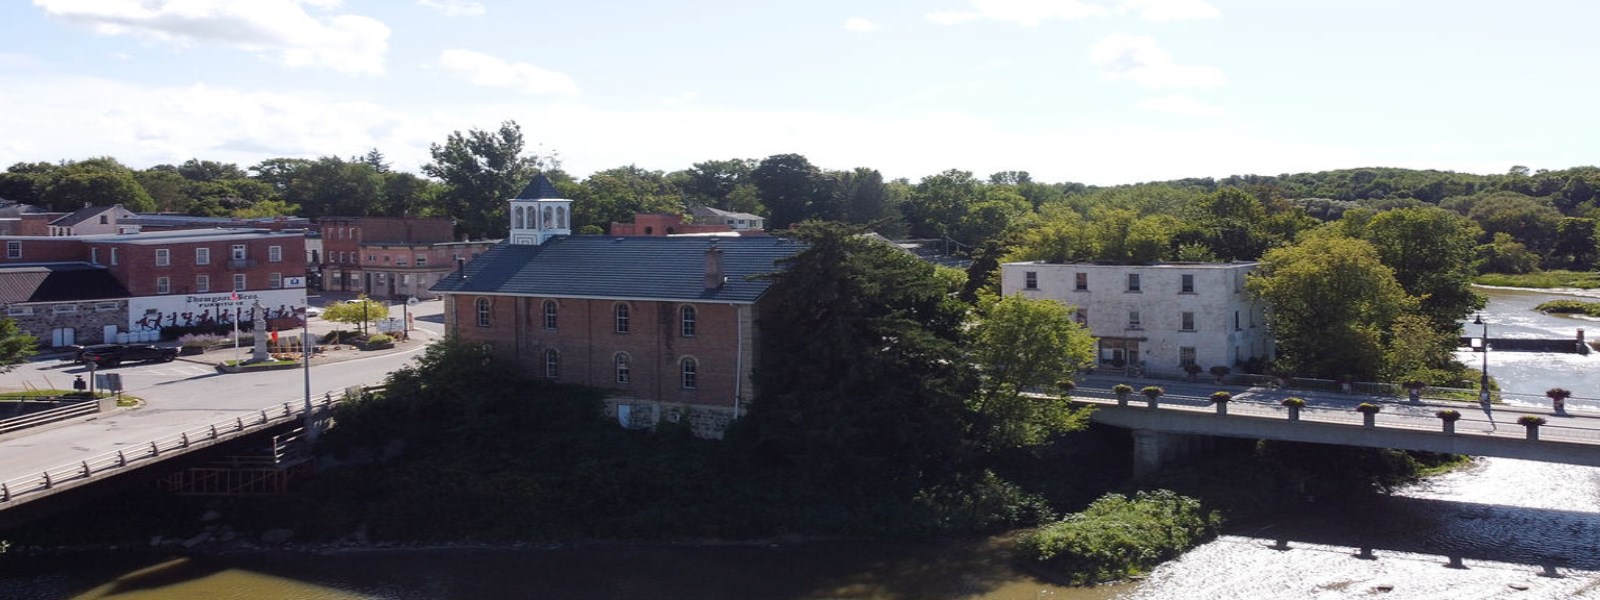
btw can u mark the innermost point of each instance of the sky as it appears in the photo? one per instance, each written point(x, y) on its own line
point(1101, 92)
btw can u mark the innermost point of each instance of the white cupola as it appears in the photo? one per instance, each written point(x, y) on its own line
point(539, 213)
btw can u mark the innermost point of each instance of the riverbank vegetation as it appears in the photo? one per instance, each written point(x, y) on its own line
point(1118, 537)
point(1583, 280)
point(1570, 307)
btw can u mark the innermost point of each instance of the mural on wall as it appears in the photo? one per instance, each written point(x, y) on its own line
point(187, 310)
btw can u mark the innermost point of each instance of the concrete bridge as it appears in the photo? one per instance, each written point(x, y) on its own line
point(1179, 425)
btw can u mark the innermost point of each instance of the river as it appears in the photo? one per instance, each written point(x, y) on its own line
point(1500, 529)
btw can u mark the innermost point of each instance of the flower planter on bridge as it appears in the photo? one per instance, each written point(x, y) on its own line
point(1369, 414)
point(1221, 399)
point(1532, 423)
point(1449, 417)
point(1294, 405)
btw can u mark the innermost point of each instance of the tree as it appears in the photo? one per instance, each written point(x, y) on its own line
point(938, 202)
point(1420, 351)
point(481, 170)
point(96, 181)
point(859, 380)
point(16, 346)
point(1431, 251)
point(787, 185)
point(616, 195)
point(1021, 344)
point(1574, 246)
point(358, 312)
point(1332, 300)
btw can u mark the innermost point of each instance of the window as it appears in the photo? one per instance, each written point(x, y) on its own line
point(1133, 320)
point(94, 256)
point(238, 252)
point(550, 312)
point(623, 372)
point(1082, 316)
point(103, 220)
point(1188, 322)
point(163, 285)
point(552, 363)
point(686, 316)
point(483, 312)
point(19, 311)
point(422, 261)
point(113, 257)
point(64, 309)
point(690, 373)
point(202, 256)
point(106, 306)
point(275, 280)
point(202, 284)
point(1133, 282)
point(1080, 282)
point(1030, 280)
point(1188, 285)
point(13, 249)
point(622, 317)
point(274, 253)
point(1185, 356)
point(399, 262)
point(1236, 320)
point(163, 257)
point(238, 282)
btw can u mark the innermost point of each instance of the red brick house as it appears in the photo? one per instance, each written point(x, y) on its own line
point(668, 324)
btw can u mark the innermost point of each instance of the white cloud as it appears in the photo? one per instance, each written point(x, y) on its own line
point(456, 8)
point(489, 71)
point(1170, 10)
point(281, 28)
point(1022, 12)
point(1179, 104)
point(860, 25)
point(1140, 59)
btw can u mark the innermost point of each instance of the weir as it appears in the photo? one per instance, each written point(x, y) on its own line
point(1574, 345)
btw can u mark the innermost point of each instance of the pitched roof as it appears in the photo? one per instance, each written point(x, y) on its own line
point(726, 214)
point(657, 268)
point(58, 283)
point(539, 189)
point(82, 214)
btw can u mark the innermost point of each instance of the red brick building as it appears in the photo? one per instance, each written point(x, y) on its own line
point(163, 279)
point(387, 257)
point(667, 324)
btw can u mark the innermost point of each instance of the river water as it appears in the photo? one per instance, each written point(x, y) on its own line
point(1500, 529)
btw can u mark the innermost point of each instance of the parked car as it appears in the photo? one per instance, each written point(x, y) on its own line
point(111, 355)
point(313, 311)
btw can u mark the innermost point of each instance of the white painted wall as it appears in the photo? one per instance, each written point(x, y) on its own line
point(1218, 296)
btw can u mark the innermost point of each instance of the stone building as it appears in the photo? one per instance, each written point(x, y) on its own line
point(1156, 318)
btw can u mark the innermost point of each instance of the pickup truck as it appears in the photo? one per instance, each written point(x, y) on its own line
point(111, 355)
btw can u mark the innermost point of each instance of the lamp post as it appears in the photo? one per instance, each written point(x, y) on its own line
point(306, 348)
point(1483, 383)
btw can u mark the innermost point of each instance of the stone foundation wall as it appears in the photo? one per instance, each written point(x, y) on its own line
point(88, 321)
point(709, 422)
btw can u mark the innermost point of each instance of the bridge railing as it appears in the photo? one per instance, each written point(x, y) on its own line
point(45, 417)
point(16, 488)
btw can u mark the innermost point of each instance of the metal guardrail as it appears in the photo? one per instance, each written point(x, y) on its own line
point(46, 417)
point(11, 490)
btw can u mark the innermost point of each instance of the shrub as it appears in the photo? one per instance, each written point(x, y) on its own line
point(1115, 537)
point(380, 338)
point(1192, 369)
point(1449, 414)
point(1220, 371)
point(1368, 408)
point(1152, 391)
point(1066, 386)
point(1558, 393)
point(1293, 401)
point(199, 340)
point(1121, 389)
point(1220, 397)
point(1531, 420)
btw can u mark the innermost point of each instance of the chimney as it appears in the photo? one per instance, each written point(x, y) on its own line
point(461, 267)
point(714, 275)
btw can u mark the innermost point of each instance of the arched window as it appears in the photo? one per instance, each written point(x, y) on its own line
point(622, 317)
point(561, 217)
point(483, 312)
point(549, 314)
point(690, 370)
point(516, 217)
point(552, 363)
point(623, 372)
point(686, 318)
point(549, 218)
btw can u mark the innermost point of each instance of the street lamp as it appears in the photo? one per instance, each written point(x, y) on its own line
point(1483, 383)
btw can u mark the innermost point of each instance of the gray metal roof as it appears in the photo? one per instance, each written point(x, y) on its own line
point(539, 189)
point(58, 282)
point(179, 236)
point(657, 268)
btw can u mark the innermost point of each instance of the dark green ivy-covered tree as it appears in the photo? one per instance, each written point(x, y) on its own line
point(860, 382)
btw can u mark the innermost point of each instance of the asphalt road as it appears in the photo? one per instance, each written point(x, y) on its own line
point(186, 394)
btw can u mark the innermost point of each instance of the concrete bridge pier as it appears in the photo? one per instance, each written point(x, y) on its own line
point(1155, 449)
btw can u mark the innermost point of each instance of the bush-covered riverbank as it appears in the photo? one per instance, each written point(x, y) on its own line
point(1584, 280)
point(1569, 307)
